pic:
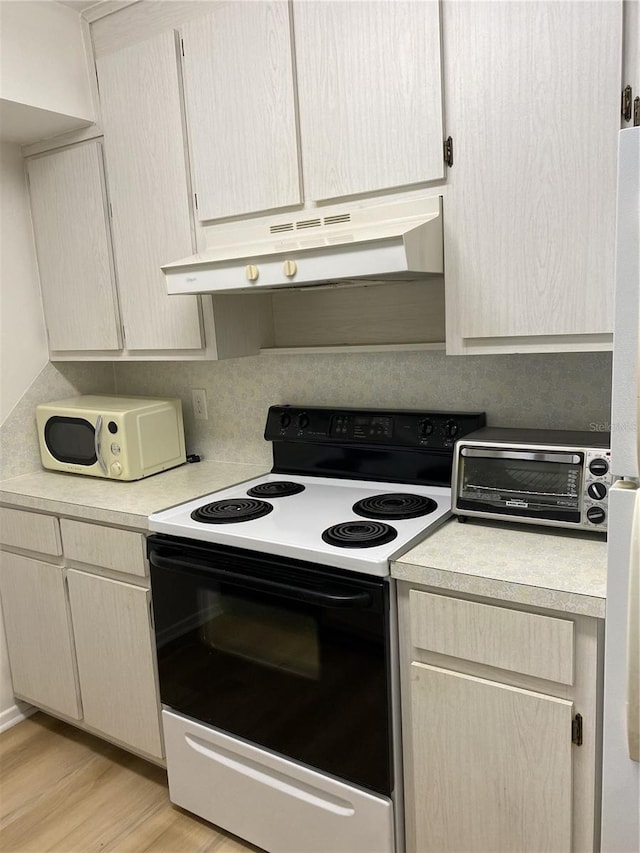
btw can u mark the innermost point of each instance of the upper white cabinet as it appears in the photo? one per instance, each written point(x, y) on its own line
point(533, 105)
point(69, 210)
point(148, 190)
point(370, 95)
point(239, 91)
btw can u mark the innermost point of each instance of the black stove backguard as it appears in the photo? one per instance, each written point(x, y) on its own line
point(368, 444)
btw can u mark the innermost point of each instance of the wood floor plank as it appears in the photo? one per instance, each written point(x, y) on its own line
point(65, 791)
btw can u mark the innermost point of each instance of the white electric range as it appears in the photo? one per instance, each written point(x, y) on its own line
point(276, 628)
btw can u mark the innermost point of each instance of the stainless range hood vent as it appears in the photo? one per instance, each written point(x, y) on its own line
point(398, 241)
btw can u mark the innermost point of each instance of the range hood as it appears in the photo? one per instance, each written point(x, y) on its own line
point(400, 241)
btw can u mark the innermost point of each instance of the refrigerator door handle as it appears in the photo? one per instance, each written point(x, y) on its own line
point(633, 639)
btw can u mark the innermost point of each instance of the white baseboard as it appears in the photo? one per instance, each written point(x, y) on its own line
point(15, 714)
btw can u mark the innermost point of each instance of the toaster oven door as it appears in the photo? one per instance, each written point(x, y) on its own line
point(537, 484)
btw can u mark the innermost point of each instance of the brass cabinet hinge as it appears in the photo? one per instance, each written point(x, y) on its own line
point(627, 99)
point(576, 730)
point(448, 151)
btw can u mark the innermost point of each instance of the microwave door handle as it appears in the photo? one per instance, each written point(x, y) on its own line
point(96, 444)
point(312, 596)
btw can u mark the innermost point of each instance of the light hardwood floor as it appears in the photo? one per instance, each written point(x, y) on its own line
point(64, 791)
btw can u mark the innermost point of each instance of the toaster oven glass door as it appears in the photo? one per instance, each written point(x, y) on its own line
point(544, 485)
point(71, 440)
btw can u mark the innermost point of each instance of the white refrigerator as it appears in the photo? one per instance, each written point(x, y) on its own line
point(621, 722)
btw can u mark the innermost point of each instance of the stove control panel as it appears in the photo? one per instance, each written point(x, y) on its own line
point(430, 430)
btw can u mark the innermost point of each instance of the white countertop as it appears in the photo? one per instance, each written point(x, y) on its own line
point(541, 566)
point(123, 503)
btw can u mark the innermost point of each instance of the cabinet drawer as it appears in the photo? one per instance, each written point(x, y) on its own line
point(105, 547)
point(31, 531)
point(541, 646)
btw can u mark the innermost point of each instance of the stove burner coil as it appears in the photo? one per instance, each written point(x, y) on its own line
point(230, 510)
point(275, 489)
point(397, 505)
point(359, 534)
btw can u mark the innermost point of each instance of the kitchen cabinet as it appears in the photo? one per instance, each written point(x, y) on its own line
point(369, 94)
point(370, 117)
point(495, 699)
point(532, 98)
point(148, 191)
point(39, 634)
point(69, 211)
point(104, 293)
point(239, 93)
point(78, 624)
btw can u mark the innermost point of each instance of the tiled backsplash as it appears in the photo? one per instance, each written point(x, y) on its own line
point(554, 391)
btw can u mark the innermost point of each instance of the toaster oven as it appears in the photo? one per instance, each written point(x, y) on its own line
point(552, 477)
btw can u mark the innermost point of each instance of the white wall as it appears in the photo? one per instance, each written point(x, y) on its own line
point(43, 59)
point(23, 343)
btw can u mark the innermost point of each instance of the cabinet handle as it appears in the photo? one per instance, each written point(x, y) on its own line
point(252, 272)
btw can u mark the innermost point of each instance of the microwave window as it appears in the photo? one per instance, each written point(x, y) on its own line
point(527, 483)
point(71, 440)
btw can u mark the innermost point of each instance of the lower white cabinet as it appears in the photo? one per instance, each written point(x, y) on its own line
point(78, 624)
point(115, 656)
point(39, 636)
point(494, 702)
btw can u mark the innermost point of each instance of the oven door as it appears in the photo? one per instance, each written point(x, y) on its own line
point(288, 655)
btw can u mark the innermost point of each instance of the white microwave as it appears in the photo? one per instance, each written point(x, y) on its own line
point(121, 438)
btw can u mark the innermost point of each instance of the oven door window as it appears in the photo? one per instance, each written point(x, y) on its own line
point(544, 488)
point(307, 680)
point(71, 440)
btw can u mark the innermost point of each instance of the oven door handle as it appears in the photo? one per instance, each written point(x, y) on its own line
point(312, 596)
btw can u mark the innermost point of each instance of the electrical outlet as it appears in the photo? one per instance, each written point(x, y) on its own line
point(199, 399)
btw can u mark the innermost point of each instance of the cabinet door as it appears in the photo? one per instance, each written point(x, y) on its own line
point(240, 107)
point(533, 105)
point(369, 89)
point(147, 172)
point(69, 210)
point(116, 660)
point(491, 765)
point(39, 638)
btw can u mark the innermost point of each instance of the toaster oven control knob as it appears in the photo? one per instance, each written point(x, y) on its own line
point(116, 469)
point(596, 514)
point(285, 420)
point(599, 467)
point(597, 491)
point(450, 429)
point(290, 268)
point(425, 428)
point(112, 426)
point(252, 272)
point(303, 421)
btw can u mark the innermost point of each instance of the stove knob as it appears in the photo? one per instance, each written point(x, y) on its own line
point(285, 420)
point(425, 428)
point(116, 469)
point(596, 514)
point(450, 429)
point(597, 491)
point(599, 467)
point(303, 421)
